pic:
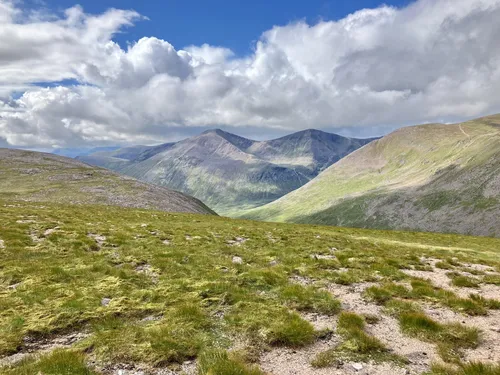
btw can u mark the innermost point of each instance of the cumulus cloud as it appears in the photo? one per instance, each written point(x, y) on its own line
point(434, 60)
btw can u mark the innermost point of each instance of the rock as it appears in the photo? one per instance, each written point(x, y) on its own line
point(2, 244)
point(166, 242)
point(357, 366)
point(13, 286)
point(237, 241)
point(237, 260)
point(48, 232)
point(105, 301)
point(144, 225)
point(273, 263)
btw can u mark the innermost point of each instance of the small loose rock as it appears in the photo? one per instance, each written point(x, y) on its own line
point(357, 366)
point(237, 260)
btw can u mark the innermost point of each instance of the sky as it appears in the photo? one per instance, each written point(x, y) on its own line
point(110, 72)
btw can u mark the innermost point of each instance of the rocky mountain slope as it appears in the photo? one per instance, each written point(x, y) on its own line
point(431, 177)
point(228, 172)
point(40, 177)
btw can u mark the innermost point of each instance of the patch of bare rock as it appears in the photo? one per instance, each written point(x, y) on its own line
point(37, 346)
point(187, 368)
point(149, 271)
point(98, 238)
point(439, 278)
point(489, 325)
point(237, 241)
point(284, 361)
point(420, 355)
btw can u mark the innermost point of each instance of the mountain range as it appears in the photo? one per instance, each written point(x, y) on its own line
point(228, 172)
point(434, 177)
point(40, 177)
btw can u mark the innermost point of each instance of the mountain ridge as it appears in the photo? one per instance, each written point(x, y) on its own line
point(431, 177)
point(230, 172)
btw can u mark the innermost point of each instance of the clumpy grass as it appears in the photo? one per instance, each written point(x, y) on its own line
point(463, 281)
point(384, 293)
point(371, 318)
point(169, 302)
point(276, 326)
point(357, 344)
point(444, 265)
point(59, 362)
point(491, 279)
point(450, 337)
point(220, 362)
point(470, 368)
point(292, 331)
point(309, 299)
point(423, 289)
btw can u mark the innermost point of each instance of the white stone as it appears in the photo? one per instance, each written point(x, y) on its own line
point(357, 366)
point(237, 260)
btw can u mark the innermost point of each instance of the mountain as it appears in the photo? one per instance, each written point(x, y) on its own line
point(41, 177)
point(431, 177)
point(228, 172)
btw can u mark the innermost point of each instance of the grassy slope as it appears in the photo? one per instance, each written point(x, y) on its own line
point(195, 298)
point(41, 177)
point(428, 177)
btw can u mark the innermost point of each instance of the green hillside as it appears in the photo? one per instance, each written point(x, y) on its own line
point(105, 290)
point(429, 177)
point(40, 177)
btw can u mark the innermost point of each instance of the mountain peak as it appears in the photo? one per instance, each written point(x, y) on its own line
point(216, 131)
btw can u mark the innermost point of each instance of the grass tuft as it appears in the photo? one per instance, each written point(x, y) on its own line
point(220, 362)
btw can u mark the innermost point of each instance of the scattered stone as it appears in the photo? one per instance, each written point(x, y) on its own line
point(237, 260)
point(273, 263)
point(2, 244)
point(144, 225)
point(324, 257)
point(48, 232)
point(148, 270)
point(14, 286)
point(190, 238)
point(105, 301)
point(151, 318)
point(357, 366)
point(238, 241)
point(166, 242)
point(99, 239)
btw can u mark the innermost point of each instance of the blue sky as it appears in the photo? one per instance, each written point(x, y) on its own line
point(232, 24)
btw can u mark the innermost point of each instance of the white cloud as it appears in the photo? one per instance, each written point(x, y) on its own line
point(435, 60)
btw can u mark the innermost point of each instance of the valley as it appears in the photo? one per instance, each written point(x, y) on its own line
point(228, 172)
